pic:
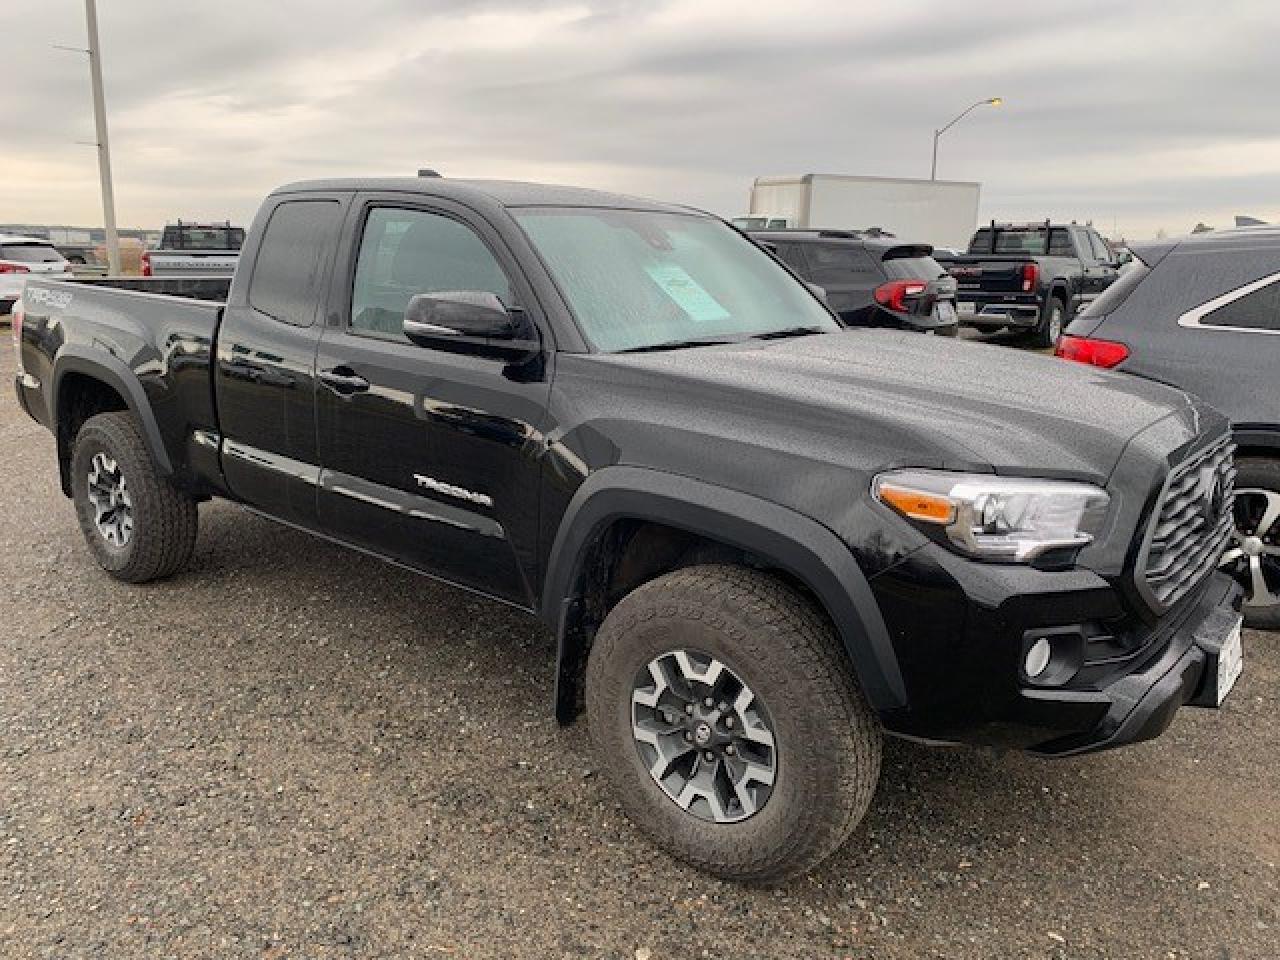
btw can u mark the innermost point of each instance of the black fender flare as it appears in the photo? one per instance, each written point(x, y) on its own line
point(102, 366)
point(796, 543)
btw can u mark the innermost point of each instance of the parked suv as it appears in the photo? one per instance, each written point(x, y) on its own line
point(1203, 313)
point(870, 281)
point(20, 257)
point(759, 540)
point(1031, 278)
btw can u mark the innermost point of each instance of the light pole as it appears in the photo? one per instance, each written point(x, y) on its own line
point(993, 101)
point(100, 122)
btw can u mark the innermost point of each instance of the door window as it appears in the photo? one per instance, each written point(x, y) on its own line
point(1101, 252)
point(290, 264)
point(407, 252)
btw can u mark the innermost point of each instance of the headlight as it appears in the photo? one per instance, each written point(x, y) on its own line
point(996, 518)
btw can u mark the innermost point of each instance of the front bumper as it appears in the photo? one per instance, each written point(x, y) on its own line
point(961, 653)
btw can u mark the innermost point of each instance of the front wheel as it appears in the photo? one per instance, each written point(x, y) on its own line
point(1254, 554)
point(138, 526)
point(726, 716)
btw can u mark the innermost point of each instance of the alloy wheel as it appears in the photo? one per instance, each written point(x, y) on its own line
point(112, 505)
point(1254, 553)
point(705, 737)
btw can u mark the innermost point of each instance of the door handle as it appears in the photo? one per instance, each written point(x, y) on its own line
point(343, 381)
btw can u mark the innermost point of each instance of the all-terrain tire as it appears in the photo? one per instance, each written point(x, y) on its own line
point(828, 739)
point(1053, 320)
point(164, 519)
point(1260, 474)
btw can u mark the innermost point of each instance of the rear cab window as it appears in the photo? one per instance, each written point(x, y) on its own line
point(289, 270)
point(195, 237)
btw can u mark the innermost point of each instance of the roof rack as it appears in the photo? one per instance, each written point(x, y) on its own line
point(1046, 223)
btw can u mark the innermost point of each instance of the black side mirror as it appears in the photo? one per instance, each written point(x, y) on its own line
point(471, 322)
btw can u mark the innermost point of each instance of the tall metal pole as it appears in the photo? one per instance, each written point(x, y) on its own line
point(104, 150)
point(933, 171)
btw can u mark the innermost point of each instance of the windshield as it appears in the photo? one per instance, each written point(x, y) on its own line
point(637, 279)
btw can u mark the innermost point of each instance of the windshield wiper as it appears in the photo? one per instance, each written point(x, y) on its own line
point(788, 332)
point(678, 344)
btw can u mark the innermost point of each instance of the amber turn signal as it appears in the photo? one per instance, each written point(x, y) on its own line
point(918, 504)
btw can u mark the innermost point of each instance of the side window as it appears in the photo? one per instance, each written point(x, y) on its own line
point(1060, 244)
point(793, 256)
point(407, 252)
point(835, 263)
point(1101, 252)
point(1259, 310)
point(288, 272)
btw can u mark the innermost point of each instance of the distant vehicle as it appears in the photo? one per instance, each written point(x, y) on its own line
point(760, 223)
point(1030, 277)
point(930, 211)
point(20, 257)
point(1203, 313)
point(195, 249)
point(870, 282)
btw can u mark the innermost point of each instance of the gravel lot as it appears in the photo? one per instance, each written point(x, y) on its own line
point(295, 751)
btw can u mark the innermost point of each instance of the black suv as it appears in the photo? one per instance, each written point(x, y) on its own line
point(870, 281)
point(1203, 313)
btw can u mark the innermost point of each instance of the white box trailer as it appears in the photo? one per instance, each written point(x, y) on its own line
point(941, 212)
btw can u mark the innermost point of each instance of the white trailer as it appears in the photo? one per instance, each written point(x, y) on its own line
point(941, 212)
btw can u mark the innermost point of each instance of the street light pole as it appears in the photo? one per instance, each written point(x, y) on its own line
point(993, 101)
point(104, 150)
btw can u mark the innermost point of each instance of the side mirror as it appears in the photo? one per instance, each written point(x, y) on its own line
point(817, 291)
point(471, 322)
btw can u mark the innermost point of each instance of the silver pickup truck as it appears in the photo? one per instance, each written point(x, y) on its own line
point(195, 250)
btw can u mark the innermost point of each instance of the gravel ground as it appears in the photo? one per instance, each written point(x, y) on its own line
point(295, 751)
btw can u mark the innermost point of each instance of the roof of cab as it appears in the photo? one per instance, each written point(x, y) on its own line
point(503, 193)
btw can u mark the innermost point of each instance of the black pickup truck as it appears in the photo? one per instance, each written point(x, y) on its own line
point(1030, 277)
point(760, 540)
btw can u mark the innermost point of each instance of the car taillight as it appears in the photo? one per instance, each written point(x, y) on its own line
point(13, 268)
point(894, 294)
point(15, 321)
point(1096, 353)
point(1030, 274)
point(146, 264)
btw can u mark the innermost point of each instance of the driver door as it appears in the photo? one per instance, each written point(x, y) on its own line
point(429, 458)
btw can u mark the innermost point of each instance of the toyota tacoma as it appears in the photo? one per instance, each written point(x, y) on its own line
point(761, 541)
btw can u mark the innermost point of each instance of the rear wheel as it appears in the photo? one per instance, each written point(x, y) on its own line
point(728, 721)
point(138, 526)
point(1254, 554)
point(1052, 319)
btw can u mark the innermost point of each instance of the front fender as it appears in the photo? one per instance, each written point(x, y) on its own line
point(795, 543)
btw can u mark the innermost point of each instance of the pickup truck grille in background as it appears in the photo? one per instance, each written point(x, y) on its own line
point(1191, 525)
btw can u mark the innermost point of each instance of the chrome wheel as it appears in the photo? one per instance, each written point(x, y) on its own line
point(705, 738)
point(109, 496)
point(1254, 554)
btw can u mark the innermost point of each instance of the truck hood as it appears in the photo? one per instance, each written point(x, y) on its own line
point(891, 398)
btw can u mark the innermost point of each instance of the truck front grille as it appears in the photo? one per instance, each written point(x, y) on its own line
point(1191, 525)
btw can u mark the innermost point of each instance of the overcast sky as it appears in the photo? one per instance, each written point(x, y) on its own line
point(1142, 115)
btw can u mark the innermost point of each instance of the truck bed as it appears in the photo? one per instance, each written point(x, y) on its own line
point(155, 340)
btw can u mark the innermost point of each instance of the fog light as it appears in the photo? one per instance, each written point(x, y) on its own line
point(1038, 658)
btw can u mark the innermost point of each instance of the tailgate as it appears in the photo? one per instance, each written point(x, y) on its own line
point(990, 275)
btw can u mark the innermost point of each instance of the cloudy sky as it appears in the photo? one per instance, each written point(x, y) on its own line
point(1138, 115)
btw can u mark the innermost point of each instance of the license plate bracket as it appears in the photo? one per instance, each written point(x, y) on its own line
point(1224, 663)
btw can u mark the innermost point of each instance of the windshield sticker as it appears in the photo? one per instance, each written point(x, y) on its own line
point(688, 295)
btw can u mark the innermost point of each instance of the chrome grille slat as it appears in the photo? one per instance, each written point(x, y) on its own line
point(1183, 547)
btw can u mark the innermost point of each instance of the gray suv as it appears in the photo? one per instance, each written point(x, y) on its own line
point(1203, 313)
